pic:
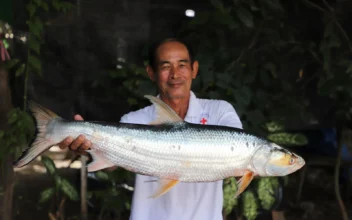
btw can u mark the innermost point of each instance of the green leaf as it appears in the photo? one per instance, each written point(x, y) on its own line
point(253, 6)
point(56, 4)
point(271, 68)
point(229, 189)
point(249, 205)
point(245, 16)
point(69, 190)
point(34, 45)
point(38, 2)
point(45, 6)
point(35, 63)
point(256, 117)
point(223, 80)
point(49, 165)
point(11, 63)
point(38, 23)
point(132, 101)
point(266, 191)
point(20, 70)
point(288, 139)
point(146, 87)
point(102, 175)
point(224, 18)
point(2, 133)
point(58, 181)
point(243, 95)
point(33, 29)
point(65, 6)
point(46, 195)
point(31, 9)
point(273, 126)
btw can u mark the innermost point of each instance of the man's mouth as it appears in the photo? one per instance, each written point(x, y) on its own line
point(176, 84)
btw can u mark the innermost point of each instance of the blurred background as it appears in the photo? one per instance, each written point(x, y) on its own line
point(285, 66)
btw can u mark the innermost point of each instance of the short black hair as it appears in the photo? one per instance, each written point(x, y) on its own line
point(154, 47)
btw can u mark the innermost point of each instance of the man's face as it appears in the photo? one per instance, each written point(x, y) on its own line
point(173, 70)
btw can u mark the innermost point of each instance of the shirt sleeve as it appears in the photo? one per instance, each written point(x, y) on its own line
point(124, 119)
point(228, 116)
point(141, 116)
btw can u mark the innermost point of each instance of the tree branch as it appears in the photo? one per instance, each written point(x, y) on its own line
point(333, 17)
point(250, 46)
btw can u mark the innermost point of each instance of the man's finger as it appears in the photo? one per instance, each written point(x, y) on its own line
point(86, 145)
point(78, 118)
point(78, 142)
point(65, 143)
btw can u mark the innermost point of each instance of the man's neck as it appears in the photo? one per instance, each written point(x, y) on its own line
point(179, 105)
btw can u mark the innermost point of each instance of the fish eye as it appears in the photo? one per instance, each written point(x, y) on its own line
point(292, 160)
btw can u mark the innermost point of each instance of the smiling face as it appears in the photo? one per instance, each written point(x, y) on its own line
point(173, 70)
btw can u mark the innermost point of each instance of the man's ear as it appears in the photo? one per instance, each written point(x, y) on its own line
point(195, 69)
point(150, 72)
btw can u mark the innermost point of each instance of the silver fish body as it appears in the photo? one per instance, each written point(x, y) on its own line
point(187, 152)
point(167, 148)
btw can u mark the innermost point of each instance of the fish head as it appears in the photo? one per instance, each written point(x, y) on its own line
point(282, 162)
point(273, 160)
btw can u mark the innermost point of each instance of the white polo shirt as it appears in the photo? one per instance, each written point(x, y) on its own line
point(185, 201)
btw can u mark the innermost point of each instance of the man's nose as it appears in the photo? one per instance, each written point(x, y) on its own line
point(174, 73)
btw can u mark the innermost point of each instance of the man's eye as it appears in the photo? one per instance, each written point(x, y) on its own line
point(165, 67)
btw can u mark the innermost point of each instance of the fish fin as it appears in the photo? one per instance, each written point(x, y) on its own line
point(244, 182)
point(40, 144)
point(164, 113)
point(164, 186)
point(99, 161)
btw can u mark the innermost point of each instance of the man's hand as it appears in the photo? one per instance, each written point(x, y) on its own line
point(79, 145)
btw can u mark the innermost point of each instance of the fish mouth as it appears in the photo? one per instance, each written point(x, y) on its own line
point(301, 162)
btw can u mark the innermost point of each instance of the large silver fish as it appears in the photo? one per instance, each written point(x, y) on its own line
point(168, 148)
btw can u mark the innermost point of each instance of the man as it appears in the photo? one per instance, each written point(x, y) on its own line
point(172, 67)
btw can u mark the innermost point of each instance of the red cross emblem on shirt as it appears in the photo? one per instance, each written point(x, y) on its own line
point(203, 121)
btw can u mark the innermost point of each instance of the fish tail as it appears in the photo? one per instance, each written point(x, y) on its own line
point(40, 144)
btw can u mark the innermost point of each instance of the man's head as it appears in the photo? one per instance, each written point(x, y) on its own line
point(172, 67)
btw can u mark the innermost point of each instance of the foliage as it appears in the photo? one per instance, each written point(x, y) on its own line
point(19, 132)
point(32, 63)
point(21, 126)
point(230, 188)
point(62, 189)
point(126, 78)
point(114, 199)
point(253, 54)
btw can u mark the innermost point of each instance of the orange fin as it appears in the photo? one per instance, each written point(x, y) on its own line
point(164, 186)
point(244, 182)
